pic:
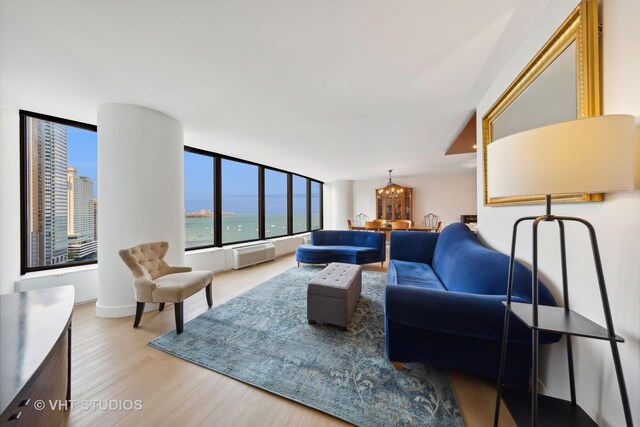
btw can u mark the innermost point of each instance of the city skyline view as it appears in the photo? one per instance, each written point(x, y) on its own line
point(61, 193)
point(82, 153)
point(62, 196)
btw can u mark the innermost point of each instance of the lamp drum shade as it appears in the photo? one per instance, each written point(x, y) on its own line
point(590, 155)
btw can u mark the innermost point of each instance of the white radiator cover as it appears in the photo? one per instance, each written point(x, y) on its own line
point(254, 254)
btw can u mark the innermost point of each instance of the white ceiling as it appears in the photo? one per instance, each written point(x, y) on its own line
point(333, 89)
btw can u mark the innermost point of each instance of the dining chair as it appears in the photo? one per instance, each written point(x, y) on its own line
point(361, 219)
point(372, 226)
point(433, 221)
point(400, 225)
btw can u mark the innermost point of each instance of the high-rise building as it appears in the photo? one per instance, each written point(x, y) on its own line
point(80, 221)
point(47, 192)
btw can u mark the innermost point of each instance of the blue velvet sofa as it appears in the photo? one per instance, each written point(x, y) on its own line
point(443, 305)
point(351, 247)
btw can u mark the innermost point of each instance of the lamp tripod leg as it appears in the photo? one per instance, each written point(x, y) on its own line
point(505, 331)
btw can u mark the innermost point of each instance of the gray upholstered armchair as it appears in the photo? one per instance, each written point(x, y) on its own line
point(156, 281)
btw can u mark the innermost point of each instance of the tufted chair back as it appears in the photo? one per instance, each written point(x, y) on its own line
point(147, 260)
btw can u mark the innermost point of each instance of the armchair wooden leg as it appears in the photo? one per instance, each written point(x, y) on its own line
point(161, 306)
point(209, 297)
point(398, 365)
point(139, 311)
point(179, 318)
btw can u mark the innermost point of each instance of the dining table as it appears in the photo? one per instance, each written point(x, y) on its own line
point(387, 229)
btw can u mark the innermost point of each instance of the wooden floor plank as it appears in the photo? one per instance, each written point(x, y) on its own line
point(111, 360)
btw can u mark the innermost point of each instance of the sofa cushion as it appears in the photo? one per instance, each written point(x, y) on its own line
point(413, 274)
point(177, 287)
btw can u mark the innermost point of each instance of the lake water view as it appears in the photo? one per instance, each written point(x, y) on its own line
point(239, 227)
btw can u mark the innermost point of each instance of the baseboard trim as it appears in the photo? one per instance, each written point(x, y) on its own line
point(121, 311)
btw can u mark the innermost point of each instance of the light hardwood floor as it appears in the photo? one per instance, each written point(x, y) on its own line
point(111, 360)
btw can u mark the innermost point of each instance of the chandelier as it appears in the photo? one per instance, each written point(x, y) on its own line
point(392, 190)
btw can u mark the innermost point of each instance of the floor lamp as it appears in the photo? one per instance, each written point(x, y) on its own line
point(590, 155)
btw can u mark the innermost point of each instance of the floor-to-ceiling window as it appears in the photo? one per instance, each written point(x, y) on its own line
point(275, 203)
point(199, 200)
point(230, 200)
point(239, 201)
point(59, 199)
point(316, 204)
point(299, 204)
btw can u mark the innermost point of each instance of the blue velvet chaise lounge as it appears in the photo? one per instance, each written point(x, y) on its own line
point(443, 305)
point(351, 247)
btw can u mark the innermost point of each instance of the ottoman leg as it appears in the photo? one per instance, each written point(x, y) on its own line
point(312, 322)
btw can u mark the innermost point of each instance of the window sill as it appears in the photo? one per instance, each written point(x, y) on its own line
point(244, 244)
point(202, 251)
point(59, 271)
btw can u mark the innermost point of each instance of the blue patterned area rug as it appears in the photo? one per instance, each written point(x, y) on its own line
point(262, 338)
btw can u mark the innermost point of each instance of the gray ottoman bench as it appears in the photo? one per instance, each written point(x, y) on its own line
point(332, 294)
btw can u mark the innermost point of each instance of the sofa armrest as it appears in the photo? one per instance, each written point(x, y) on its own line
point(177, 269)
point(414, 246)
point(473, 315)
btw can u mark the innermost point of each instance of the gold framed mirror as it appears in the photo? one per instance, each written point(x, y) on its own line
point(561, 82)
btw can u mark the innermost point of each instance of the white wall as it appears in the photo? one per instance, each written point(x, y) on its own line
point(340, 205)
point(446, 195)
point(140, 186)
point(9, 199)
point(617, 221)
point(327, 206)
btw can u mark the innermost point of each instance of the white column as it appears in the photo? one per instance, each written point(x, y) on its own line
point(9, 199)
point(141, 195)
point(341, 203)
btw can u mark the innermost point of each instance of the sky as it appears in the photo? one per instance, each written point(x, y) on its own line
point(239, 180)
point(240, 187)
point(82, 153)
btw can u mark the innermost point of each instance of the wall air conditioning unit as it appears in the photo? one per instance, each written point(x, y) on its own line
point(250, 255)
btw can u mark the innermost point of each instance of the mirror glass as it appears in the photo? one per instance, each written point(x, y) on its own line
point(560, 83)
point(550, 98)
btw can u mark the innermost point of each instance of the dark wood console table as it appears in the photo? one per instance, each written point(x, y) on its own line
point(35, 365)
